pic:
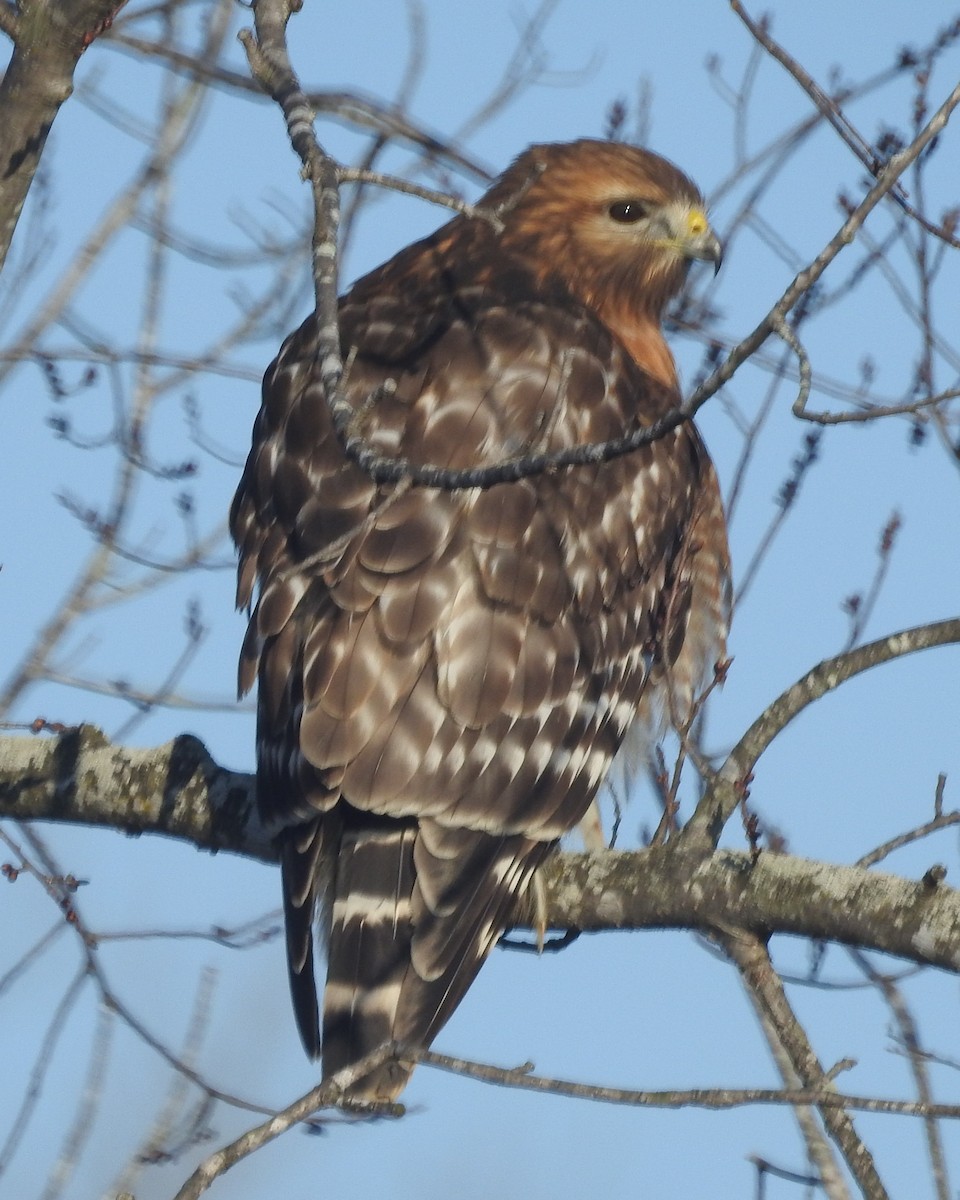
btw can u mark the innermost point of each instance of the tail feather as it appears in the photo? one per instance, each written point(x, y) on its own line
point(409, 930)
point(368, 952)
point(302, 867)
point(463, 940)
point(465, 882)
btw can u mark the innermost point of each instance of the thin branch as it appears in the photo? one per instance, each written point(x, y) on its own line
point(256, 932)
point(886, 179)
point(784, 331)
point(941, 821)
point(87, 1105)
point(830, 109)
point(714, 1099)
point(31, 1096)
point(910, 1039)
point(30, 957)
point(365, 112)
point(785, 1033)
point(179, 113)
point(271, 67)
point(119, 689)
point(408, 188)
point(189, 365)
point(61, 889)
point(875, 411)
point(323, 1096)
point(722, 799)
point(786, 503)
point(157, 1141)
point(270, 64)
point(860, 607)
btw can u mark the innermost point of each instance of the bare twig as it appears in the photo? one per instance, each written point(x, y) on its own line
point(861, 607)
point(723, 798)
point(910, 1039)
point(786, 503)
point(408, 188)
point(30, 957)
point(87, 1105)
point(157, 1141)
point(876, 411)
point(939, 821)
point(717, 1099)
point(797, 1063)
point(364, 112)
point(783, 330)
point(270, 64)
point(61, 888)
point(179, 112)
point(886, 179)
point(323, 1096)
point(830, 109)
point(41, 1066)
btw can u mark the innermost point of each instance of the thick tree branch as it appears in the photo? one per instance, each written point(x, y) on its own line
point(178, 790)
point(665, 888)
point(49, 37)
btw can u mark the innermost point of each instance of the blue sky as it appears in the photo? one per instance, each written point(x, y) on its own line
point(650, 1010)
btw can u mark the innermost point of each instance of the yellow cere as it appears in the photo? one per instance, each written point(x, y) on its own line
point(696, 221)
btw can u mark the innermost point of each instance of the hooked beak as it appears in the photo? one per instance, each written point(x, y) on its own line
point(699, 241)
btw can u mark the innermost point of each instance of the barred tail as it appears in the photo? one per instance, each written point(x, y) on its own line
point(416, 909)
point(302, 871)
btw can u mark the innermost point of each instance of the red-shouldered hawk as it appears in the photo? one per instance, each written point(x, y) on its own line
point(445, 676)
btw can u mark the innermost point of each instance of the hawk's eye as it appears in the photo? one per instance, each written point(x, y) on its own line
point(627, 212)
